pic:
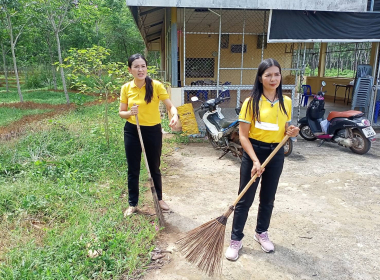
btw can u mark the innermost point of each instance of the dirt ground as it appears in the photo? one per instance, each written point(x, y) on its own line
point(325, 223)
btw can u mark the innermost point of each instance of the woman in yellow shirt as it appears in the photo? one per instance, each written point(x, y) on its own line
point(264, 121)
point(142, 97)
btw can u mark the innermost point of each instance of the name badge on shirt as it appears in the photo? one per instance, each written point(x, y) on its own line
point(267, 126)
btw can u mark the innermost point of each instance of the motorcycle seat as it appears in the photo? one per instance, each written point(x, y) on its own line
point(226, 123)
point(344, 114)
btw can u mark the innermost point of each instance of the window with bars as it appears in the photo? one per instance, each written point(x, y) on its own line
point(312, 60)
point(342, 58)
point(200, 67)
point(311, 57)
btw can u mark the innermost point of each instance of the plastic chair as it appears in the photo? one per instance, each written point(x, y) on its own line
point(306, 93)
point(203, 92)
point(377, 111)
point(225, 93)
point(192, 92)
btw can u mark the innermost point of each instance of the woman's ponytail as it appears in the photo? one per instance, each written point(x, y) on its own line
point(149, 89)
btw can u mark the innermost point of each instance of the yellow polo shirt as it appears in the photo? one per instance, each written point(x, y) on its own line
point(268, 114)
point(149, 114)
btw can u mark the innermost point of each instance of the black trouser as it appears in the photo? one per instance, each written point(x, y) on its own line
point(269, 181)
point(152, 137)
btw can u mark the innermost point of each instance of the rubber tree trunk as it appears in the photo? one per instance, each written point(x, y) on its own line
point(61, 69)
point(13, 45)
point(16, 72)
point(5, 67)
point(53, 71)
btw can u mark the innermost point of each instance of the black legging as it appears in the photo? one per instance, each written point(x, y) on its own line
point(152, 137)
point(269, 181)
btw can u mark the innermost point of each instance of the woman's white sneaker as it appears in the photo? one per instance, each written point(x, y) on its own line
point(232, 252)
point(263, 239)
point(130, 211)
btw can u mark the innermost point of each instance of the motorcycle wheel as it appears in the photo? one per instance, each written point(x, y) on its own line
point(360, 144)
point(212, 141)
point(288, 147)
point(306, 133)
point(236, 150)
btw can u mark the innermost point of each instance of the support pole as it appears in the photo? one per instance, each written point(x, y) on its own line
point(322, 60)
point(174, 47)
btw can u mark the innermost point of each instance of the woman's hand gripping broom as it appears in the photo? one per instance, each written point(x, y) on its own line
point(157, 207)
point(203, 246)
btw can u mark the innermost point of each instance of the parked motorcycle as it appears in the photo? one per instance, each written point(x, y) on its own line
point(223, 134)
point(348, 128)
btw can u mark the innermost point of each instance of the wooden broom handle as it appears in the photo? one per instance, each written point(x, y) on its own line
point(253, 179)
point(142, 146)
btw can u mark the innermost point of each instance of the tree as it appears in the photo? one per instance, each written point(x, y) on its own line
point(90, 73)
point(14, 19)
point(56, 12)
point(4, 55)
point(43, 50)
point(106, 23)
point(118, 31)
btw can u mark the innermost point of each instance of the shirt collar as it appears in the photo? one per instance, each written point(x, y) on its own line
point(134, 85)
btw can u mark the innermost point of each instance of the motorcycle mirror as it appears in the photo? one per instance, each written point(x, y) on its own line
point(323, 83)
point(194, 98)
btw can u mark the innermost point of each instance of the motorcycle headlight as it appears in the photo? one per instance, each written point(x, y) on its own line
point(366, 122)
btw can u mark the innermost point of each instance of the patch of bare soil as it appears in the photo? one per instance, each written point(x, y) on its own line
point(325, 223)
point(19, 127)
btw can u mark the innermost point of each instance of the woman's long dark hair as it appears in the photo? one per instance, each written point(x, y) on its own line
point(148, 80)
point(257, 92)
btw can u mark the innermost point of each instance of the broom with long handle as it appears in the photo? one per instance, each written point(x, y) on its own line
point(157, 207)
point(203, 245)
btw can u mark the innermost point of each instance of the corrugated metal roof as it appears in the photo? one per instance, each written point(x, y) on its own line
point(150, 21)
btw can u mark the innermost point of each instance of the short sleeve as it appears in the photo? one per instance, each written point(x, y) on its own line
point(123, 95)
point(161, 91)
point(288, 108)
point(246, 114)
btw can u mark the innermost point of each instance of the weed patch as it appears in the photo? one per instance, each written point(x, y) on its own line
point(62, 197)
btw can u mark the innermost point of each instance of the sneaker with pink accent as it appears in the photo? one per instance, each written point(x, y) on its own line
point(263, 238)
point(232, 252)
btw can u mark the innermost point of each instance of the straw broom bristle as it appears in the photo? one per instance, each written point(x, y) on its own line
point(203, 246)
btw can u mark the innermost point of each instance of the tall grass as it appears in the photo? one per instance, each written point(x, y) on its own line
point(62, 193)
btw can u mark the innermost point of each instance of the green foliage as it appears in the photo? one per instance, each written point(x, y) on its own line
point(105, 78)
point(310, 72)
point(10, 115)
point(333, 72)
point(165, 123)
point(91, 72)
point(38, 78)
point(61, 195)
